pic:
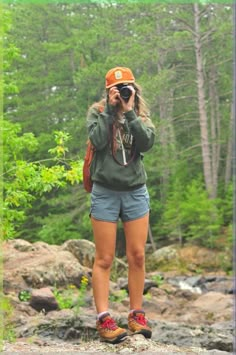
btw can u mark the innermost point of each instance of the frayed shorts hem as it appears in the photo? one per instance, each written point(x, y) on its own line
point(127, 220)
point(110, 206)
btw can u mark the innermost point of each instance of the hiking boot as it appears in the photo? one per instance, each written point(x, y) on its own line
point(137, 323)
point(108, 330)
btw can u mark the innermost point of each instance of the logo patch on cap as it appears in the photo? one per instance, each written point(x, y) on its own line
point(118, 75)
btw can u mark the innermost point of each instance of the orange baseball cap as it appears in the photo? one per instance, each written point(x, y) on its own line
point(119, 75)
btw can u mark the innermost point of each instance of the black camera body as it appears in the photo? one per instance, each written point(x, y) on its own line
point(124, 91)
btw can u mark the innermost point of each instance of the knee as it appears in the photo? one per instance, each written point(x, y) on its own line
point(136, 259)
point(104, 262)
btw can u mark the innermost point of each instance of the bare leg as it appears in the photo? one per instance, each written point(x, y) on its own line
point(136, 236)
point(105, 240)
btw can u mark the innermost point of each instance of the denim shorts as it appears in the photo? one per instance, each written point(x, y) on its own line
point(109, 205)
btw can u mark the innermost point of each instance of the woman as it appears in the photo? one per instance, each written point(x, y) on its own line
point(120, 130)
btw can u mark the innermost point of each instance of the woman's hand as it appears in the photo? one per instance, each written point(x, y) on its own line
point(114, 96)
point(115, 99)
point(128, 106)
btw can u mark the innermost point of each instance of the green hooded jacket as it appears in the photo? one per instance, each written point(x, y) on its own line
point(123, 170)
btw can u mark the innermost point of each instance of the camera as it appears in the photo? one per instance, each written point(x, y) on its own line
point(124, 91)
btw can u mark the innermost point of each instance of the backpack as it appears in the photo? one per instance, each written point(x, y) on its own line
point(87, 182)
point(90, 151)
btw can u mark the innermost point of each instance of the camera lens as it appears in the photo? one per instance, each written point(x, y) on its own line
point(125, 92)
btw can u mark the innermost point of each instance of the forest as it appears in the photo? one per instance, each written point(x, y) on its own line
point(55, 59)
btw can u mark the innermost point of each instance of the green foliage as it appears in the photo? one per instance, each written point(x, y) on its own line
point(25, 181)
point(192, 215)
point(24, 296)
point(118, 296)
point(158, 279)
point(57, 229)
point(55, 70)
point(225, 204)
point(72, 297)
point(8, 328)
point(226, 261)
point(65, 297)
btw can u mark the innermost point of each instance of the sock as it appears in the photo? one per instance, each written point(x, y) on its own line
point(132, 310)
point(99, 315)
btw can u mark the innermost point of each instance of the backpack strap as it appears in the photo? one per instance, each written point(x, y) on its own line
point(90, 151)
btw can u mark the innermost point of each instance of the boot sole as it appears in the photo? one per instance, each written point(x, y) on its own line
point(146, 333)
point(115, 340)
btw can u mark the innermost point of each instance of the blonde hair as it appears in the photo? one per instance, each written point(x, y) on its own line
point(140, 105)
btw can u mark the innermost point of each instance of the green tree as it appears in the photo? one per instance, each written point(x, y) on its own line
point(25, 181)
point(64, 53)
point(191, 215)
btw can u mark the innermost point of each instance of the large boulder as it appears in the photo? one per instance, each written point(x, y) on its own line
point(38, 265)
point(166, 254)
point(83, 250)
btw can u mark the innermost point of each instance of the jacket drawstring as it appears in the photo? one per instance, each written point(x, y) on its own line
point(122, 147)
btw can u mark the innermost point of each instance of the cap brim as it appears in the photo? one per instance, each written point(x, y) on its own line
point(120, 82)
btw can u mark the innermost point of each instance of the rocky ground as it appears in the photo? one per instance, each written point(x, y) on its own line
point(189, 313)
point(132, 345)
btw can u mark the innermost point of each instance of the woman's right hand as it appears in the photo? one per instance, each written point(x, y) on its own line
point(114, 96)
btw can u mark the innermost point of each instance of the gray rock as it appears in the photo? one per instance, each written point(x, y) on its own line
point(66, 325)
point(83, 250)
point(39, 266)
point(165, 254)
point(148, 284)
point(43, 299)
point(183, 321)
point(198, 336)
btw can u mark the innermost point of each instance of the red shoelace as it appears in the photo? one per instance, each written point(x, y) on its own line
point(109, 323)
point(140, 319)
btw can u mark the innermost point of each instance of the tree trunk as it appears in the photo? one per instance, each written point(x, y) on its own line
point(206, 156)
point(228, 168)
point(215, 129)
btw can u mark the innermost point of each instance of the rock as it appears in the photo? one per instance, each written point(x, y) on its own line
point(129, 345)
point(186, 294)
point(61, 325)
point(198, 336)
point(165, 254)
point(168, 288)
point(213, 301)
point(82, 249)
point(39, 266)
point(43, 299)
point(22, 245)
point(179, 315)
point(201, 284)
point(123, 284)
point(158, 292)
point(215, 305)
point(219, 284)
point(53, 269)
point(22, 310)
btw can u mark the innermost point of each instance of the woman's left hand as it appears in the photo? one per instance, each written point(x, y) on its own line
point(129, 105)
